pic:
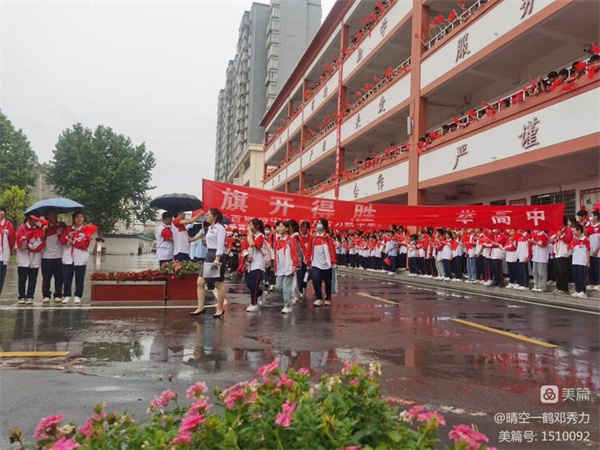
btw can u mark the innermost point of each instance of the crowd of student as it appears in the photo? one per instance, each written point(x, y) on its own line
point(478, 256)
point(60, 250)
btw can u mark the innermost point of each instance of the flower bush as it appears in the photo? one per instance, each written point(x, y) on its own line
point(180, 268)
point(276, 410)
point(168, 270)
point(120, 277)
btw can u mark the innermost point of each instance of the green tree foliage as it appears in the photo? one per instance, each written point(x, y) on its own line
point(105, 172)
point(15, 200)
point(16, 157)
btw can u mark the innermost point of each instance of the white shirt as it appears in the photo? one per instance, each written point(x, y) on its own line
point(215, 238)
point(164, 249)
point(75, 256)
point(53, 248)
point(258, 258)
point(580, 250)
point(540, 253)
point(181, 244)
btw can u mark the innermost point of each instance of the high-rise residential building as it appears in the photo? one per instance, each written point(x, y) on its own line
point(271, 40)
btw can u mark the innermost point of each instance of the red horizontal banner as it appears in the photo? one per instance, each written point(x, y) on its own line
point(242, 204)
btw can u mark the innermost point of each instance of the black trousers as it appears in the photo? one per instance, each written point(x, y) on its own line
point(402, 258)
point(27, 282)
point(3, 269)
point(300, 273)
point(253, 280)
point(71, 271)
point(182, 257)
point(497, 272)
point(523, 274)
point(479, 268)
point(457, 263)
point(234, 262)
point(318, 277)
point(579, 273)
point(562, 267)
point(52, 268)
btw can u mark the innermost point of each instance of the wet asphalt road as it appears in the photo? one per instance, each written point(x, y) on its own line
point(126, 356)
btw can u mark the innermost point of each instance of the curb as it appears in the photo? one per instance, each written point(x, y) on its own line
point(588, 304)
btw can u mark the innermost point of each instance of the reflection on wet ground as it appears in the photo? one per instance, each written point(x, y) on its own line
point(426, 357)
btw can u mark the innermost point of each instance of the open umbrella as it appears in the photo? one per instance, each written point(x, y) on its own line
point(60, 205)
point(177, 202)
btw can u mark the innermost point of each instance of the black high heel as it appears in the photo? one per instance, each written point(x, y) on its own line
point(218, 316)
point(198, 313)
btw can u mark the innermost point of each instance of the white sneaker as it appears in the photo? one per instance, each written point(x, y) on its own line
point(318, 303)
point(581, 295)
point(262, 298)
point(77, 301)
point(252, 308)
point(21, 301)
point(273, 288)
point(589, 287)
point(29, 301)
point(574, 294)
point(66, 300)
point(286, 310)
point(597, 288)
point(45, 301)
point(327, 303)
point(520, 288)
point(447, 278)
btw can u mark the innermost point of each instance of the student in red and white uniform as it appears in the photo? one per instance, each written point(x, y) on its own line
point(524, 252)
point(562, 257)
point(272, 238)
point(286, 264)
point(181, 242)
point(469, 239)
point(8, 238)
point(487, 242)
point(322, 258)
point(29, 258)
point(580, 245)
point(52, 258)
point(457, 252)
point(539, 241)
point(439, 263)
point(165, 246)
point(76, 240)
point(301, 275)
point(593, 233)
point(254, 258)
point(295, 240)
point(402, 249)
point(510, 247)
point(497, 257)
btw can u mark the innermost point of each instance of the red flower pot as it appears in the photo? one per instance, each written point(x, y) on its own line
point(182, 288)
point(129, 291)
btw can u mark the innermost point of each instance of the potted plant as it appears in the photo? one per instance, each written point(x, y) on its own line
point(182, 277)
point(147, 285)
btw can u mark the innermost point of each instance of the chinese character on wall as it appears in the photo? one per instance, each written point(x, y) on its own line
point(325, 91)
point(356, 190)
point(463, 47)
point(460, 151)
point(526, 7)
point(383, 27)
point(529, 134)
point(359, 55)
point(381, 105)
point(357, 125)
point(380, 182)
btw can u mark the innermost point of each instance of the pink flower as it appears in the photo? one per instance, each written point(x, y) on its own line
point(467, 435)
point(348, 365)
point(232, 398)
point(86, 429)
point(428, 416)
point(268, 369)
point(354, 447)
point(415, 411)
point(163, 400)
point(285, 381)
point(184, 438)
point(197, 390)
point(354, 381)
point(284, 418)
point(45, 424)
point(201, 406)
point(65, 444)
point(190, 422)
point(304, 371)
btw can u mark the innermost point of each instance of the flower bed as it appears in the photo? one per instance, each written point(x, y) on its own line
point(277, 410)
point(174, 281)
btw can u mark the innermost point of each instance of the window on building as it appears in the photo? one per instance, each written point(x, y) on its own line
point(566, 197)
point(498, 202)
point(275, 23)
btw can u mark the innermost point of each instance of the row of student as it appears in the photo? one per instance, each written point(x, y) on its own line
point(62, 252)
point(569, 253)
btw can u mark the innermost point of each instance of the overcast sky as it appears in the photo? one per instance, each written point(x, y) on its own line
point(149, 70)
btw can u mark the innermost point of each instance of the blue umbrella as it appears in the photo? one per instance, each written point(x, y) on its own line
point(60, 205)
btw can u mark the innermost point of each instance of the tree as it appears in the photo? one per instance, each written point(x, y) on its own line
point(15, 200)
point(16, 157)
point(103, 171)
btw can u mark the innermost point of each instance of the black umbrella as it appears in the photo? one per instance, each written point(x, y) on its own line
point(177, 202)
